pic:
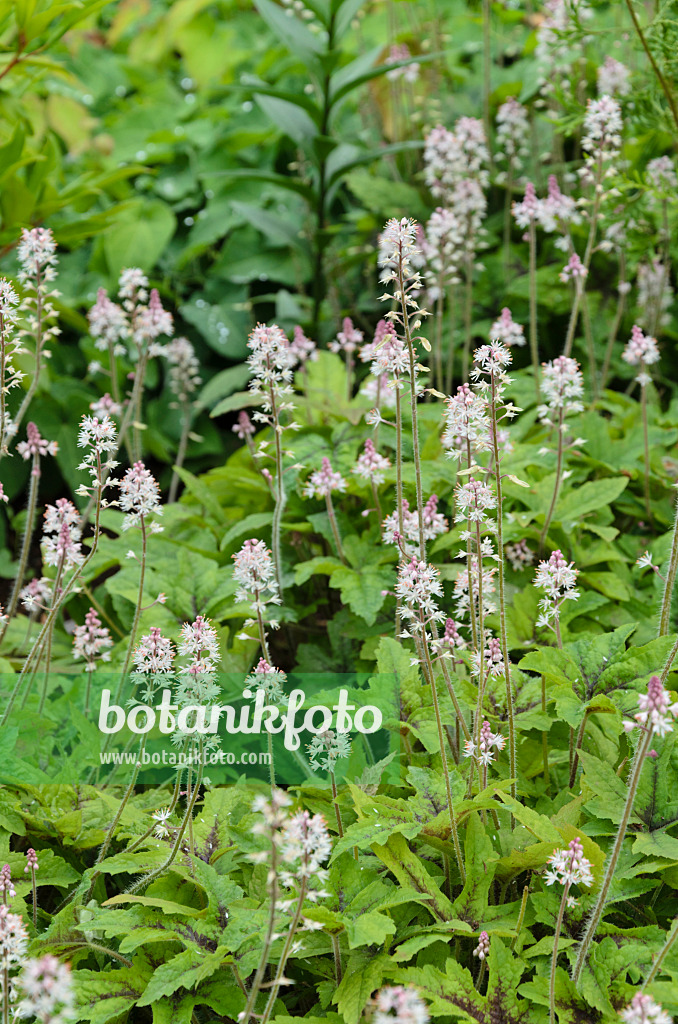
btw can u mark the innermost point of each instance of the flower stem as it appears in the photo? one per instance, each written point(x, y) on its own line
point(284, 956)
point(597, 913)
point(554, 958)
point(413, 407)
point(661, 956)
point(25, 544)
point(446, 770)
point(335, 528)
point(614, 329)
point(503, 637)
point(665, 614)
point(181, 451)
point(556, 486)
point(534, 345)
point(646, 446)
point(137, 612)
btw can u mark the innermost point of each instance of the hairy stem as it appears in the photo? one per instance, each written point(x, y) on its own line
point(597, 913)
point(554, 958)
point(25, 544)
point(665, 614)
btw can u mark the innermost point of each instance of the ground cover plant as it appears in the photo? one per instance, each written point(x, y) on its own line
point(337, 358)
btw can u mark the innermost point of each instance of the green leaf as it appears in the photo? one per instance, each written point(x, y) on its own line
point(481, 860)
point(320, 565)
point(138, 238)
point(195, 486)
point(370, 929)
point(590, 497)
point(185, 970)
point(290, 31)
point(403, 863)
point(362, 591)
point(240, 400)
point(106, 995)
point(289, 118)
point(358, 985)
point(452, 994)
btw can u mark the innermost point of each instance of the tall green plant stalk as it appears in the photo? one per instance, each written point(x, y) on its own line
point(266, 653)
point(661, 956)
point(286, 950)
point(335, 527)
point(137, 611)
point(534, 343)
point(503, 637)
point(646, 446)
point(468, 315)
point(554, 958)
point(50, 635)
point(39, 345)
point(670, 580)
point(586, 263)
point(176, 846)
point(558, 480)
point(451, 308)
point(52, 614)
point(186, 418)
point(413, 407)
point(428, 667)
point(26, 542)
point(601, 900)
point(268, 938)
point(601, 383)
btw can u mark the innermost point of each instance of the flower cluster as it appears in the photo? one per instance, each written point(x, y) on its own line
point(483, 948)
point(184, 374)
point(641, 350)
point(140, 318)
point(483, 751)
point(302, 348)
point(417, 588)
point(562, 387)
point(139, 498)
point(434, 524)
point(450, 157)
point(519, 555)
point(574, 270)
point(370, 465)
point(35, 445)
point(398, 1004)
point(154, 654)
point(199, 643)
point(467, 426)
point(557, 578)
point(10, 347)
point(643, 1010)
point(348, 339)
point(513, 134)
point(326, 748)
point(602, 128)
point(570, 866)
point(656, 711)
point(323, 481)
point(613, 78)
point(91, 641)
point(506, 330)
point(305, 845)
point(61, 535)
point(269, 679)
point(398, 53)
point(254, 572)
point(46, 991)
